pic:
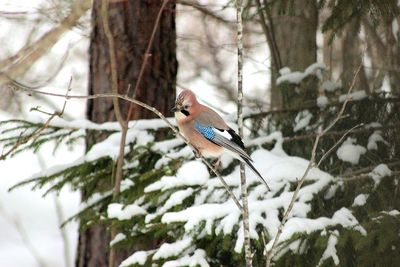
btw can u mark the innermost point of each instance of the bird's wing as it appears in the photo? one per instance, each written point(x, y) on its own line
point(226, 139)
point(222, 138)
point(209, 117)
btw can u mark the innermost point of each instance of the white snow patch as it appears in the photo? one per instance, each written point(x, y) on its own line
point(322, 101)
point(197, 259)
point(294, 225)
point(331, 86)
point(349, 152)
point(118, 238)
point(191, 173)
point(373, 140)
point(360, 200)
point(139, 257)
point(330, 251)
point(296, 77)
point(358, 95)
point(392, 212)
point(302, 120)
point(176, 198)
point(168, 250)
point(118, 211)
point(379, 172)
point(284, 71)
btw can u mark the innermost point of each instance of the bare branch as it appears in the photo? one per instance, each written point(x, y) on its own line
point(26, 56)
point(243, 184)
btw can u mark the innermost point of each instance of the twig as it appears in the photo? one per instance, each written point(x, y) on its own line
point(243, 184)
point(23, 140)
point(336, 133)
point(26, 56)
point(314, 106)
point(271, 253)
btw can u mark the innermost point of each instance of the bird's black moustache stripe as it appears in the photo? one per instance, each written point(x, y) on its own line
point(185, 112)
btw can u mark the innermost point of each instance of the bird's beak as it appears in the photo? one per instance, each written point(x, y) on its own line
point(175, 109)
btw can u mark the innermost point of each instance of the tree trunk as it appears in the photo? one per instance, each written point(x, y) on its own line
point(131, 24)
point(352, 57)
point(294, 27)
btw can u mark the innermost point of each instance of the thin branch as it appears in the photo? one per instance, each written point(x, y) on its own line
point(243, 184)
point(326, 154)
point(203, 9)
point(26, 56)
point(36, 133)
point(314, 106)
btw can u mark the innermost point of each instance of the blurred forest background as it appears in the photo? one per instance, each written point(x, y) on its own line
point(132, 194)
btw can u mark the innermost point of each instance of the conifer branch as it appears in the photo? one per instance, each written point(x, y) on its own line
point(312, 164)
point(23, 140)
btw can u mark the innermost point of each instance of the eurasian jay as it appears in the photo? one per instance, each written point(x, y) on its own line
point(207, 132)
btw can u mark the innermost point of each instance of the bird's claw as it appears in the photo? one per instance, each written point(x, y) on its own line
point(196, 153)
point(216, 163)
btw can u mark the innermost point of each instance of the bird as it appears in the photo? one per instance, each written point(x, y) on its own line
point(207, 132)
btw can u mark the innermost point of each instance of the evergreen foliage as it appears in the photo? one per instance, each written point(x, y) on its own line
point(169, 196)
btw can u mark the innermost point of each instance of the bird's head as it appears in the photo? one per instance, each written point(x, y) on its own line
point(185, 103)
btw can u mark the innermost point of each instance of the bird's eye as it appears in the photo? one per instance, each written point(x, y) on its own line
point(186, 106)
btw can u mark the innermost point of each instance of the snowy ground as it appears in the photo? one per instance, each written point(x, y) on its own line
point(28, 222)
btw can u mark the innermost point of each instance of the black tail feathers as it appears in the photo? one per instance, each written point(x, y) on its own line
point(249, 163)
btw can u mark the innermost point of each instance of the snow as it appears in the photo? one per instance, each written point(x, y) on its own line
point(84, 124)
point(330, 251)
point(322, 101)
point(302, 120)
point(392, 212)
point(176, 198)
point(379, 172)
point(331, 86)
point(350, 152)
point(191, 173)
point(138, 257)
point(118, 211)
point(118, 238)
point(294, 225)
point(296, 77)
point(373, 140)
point(360, 200)
point(168, 250)
point(197, 259)
point(358, 95)
point(221, 214)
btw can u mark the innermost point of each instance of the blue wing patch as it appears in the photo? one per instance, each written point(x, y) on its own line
point(206, 131)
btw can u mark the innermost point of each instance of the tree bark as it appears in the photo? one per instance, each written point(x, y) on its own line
point(352, 57)
point(131, 24)
point(294, 28)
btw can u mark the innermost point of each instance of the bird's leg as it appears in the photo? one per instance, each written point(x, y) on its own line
point(196, 152)
point(216, 163)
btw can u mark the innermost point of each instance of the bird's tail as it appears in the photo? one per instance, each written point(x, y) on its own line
point(251, 166)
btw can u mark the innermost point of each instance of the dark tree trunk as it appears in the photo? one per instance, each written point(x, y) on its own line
point(352, 57)
point(131, 23)
point(294, 30)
